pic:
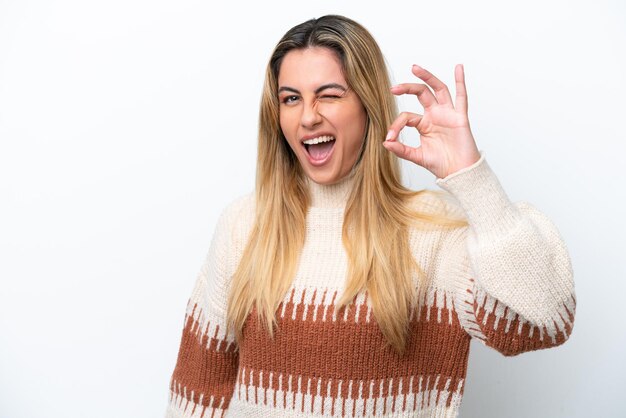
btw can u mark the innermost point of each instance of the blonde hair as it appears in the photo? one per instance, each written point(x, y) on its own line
point(378, 213)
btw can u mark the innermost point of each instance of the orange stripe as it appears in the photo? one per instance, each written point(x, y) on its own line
point(338, 350)
point(204, 366)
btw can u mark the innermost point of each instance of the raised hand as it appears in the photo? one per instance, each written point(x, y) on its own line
point(447, 144)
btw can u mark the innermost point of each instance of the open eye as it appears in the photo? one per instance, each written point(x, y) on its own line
point(289, 99)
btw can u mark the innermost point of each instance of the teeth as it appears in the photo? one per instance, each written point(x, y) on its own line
point(323, 138)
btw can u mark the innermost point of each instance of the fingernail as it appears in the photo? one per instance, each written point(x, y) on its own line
point(389, 135)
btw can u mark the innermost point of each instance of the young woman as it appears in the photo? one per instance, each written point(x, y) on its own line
point(332, 290)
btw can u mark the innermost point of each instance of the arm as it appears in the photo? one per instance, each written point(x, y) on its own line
point(206, 369)
point(510, 268)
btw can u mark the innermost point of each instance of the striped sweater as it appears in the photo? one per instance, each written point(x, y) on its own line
point(506, 280)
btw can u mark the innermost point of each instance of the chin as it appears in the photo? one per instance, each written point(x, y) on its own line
point(324, 178)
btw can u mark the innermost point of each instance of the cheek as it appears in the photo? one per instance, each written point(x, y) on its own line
point(286, 124)
point(288, 128)
point(353, 127)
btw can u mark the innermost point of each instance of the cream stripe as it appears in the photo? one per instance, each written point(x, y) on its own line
point(306, 394)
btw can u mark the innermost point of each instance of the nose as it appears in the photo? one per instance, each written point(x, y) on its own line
point(310, 115)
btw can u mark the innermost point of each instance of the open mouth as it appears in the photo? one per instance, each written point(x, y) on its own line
point(320, 148)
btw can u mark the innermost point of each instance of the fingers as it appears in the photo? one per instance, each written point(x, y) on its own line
point(423, 93)
point(461, 92)
point(403, 119)
point(441, 90)
point(442, 94)
point(403, 151)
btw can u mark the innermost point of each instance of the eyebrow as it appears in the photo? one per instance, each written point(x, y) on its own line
point(317, 90)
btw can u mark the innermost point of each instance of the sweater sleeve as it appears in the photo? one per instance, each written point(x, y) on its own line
point(206, 369)
point(510, 269)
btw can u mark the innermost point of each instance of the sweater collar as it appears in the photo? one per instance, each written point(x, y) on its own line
point(331, 195)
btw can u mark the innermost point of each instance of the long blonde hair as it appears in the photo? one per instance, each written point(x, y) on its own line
point(378, 213)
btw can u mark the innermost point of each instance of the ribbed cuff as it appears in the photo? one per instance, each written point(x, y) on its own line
point(479, 192)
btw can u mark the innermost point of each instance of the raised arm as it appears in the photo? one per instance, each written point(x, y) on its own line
point(510, 268)
point(206, 369)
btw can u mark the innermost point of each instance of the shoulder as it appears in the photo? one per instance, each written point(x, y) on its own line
point(234, 210)
point(231, 231)
point(236, 219)
point(438, 203)
point(242, 205)
point(438, 249)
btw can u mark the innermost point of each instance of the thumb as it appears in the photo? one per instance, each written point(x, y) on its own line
point(405, 152)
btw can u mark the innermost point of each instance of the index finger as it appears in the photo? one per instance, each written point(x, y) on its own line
point(423, 93)
point(441, 90)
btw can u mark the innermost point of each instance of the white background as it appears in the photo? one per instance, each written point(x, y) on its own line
point(126, 127)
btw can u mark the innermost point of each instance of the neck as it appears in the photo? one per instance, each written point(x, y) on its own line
point(331, 195)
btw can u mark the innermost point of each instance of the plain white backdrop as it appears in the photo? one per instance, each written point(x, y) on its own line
point(127, 125)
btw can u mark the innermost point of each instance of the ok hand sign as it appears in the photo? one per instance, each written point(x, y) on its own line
point(446, 141)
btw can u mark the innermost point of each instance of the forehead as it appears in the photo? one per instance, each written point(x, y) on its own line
point(306, 69)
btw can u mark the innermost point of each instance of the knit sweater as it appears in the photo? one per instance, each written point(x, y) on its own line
point(505, 279)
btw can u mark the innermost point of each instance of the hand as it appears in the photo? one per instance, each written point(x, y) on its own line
point(447, 144)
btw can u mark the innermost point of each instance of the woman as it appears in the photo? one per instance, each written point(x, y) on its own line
point(332, 289)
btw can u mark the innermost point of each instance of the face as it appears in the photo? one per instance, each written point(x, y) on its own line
point(323, 120)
